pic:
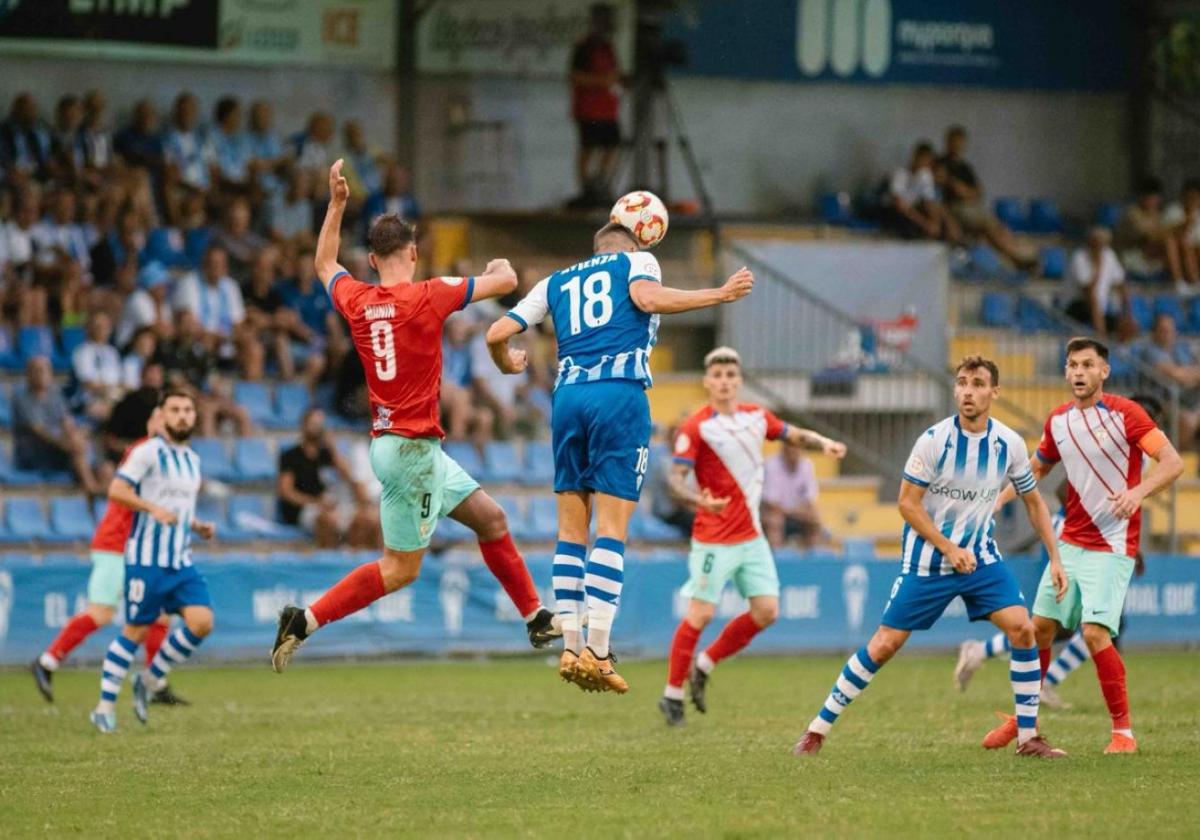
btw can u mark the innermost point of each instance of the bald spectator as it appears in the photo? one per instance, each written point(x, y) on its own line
point(1174, 360)
point(45, 438)
point(789, 506)
point(1102, 296)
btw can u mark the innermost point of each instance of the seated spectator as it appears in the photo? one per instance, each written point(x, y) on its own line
point(789, 500)
point(507, 396)
point(237, 240)
point(1183, 217)
point(27, 298)
point(231, 151)
point(664, 503)
point(182, 242)
point(361, 169)
point(142, 350)
point(315, 330)
point(1103, 298)
point(1145, 243)
point(44, 435)
point(96, 137)
point(69, 157)
point(59, 237)
point(291, 211)
point(187, 358)
point(127, 243)
point(186, 152)
point(964, 198)
point(461, 415)
point(311, 147)
point(266, 314)
point(96, 367)
point(1176, 363)
point(303, 497)
point(140, 143)
point(266, 150)
point(216, 301)
point(914, 211)
point(26, 146)
point(395, 197)
point(149, 306)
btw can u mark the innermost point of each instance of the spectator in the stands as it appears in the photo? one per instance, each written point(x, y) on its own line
point(316, 331)
point(127, 243)
point(1146, 243)
point(267, 316)
point(1183, 218)
point(291, 211)
point(963, 195)
point(59, 237)
point(231, 151)
point(187, 358)
point(96, 137)
point(266, 149)
point(96, 366)
point(26, 145)
point(20, 244)
point(311, 147)
point(304, 498)
point(142, 350)
point(69, 157)
point(216, 300)
point(396, 196)
point(186, 152)
point(463, 417)
point(361, 168)
point(1174, 361)
point(140, 143)
point(914, 210)
point(44, 435)
point(148, 306)
point(238, 240)
point(789, 499)
point(1102, 298)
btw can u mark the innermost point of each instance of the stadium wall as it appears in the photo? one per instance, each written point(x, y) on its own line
point(456, 606)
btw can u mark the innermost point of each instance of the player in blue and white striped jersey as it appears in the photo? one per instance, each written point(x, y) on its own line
point(947, 498)
point(159, 480)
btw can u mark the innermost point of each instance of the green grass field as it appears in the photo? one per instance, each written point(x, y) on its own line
point(504, 749)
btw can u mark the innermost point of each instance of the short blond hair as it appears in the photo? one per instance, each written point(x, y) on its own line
point(722, 356)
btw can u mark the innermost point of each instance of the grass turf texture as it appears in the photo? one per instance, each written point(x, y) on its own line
point(503, 748)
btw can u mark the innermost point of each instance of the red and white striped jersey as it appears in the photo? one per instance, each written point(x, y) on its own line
point(1101, 449)
point(725, 450)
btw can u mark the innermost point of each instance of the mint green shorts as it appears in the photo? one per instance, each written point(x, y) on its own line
point(421, 484)
point(749, 565)
point(106, 584)
point(1096, 585)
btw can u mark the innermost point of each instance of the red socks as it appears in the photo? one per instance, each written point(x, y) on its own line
point(72, 636)
point(1044, 655)
point(505, 563)
point(361, 587)
point(736, 635)
point(154, 640)
point(1110, 670)
point(683, 646)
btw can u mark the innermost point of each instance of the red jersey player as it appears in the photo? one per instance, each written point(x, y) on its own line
point(106, 584)
point(723, 443)
point(396, 328)
point(1101, 440)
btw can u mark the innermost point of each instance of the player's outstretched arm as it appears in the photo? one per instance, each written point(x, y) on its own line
point(326, 259)
point(815, 442)
point(657, 299)
point(498, 279)
point(914, 513)
point(1039, 518)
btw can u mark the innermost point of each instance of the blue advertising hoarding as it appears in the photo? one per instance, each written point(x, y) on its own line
point(826, 604)
point(1084, 45)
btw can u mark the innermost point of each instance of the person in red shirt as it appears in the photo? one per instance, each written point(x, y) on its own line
point(596, 105)
point(396, 328)
point(722, 443)
point(106, 585)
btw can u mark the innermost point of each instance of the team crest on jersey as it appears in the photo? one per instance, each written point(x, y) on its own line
point(452, 281)
point(383, 418)
point(682, 443)
point(916, 465)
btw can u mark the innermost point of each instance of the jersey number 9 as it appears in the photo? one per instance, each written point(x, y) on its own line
point(383, 344)
point(596, 308)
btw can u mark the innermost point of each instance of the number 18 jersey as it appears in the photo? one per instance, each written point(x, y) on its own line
point(601, 333)
point(397, 332)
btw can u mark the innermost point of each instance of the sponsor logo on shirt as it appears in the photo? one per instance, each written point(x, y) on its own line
point(963, 494)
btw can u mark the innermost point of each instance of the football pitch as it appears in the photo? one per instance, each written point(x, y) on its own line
point(502, 748)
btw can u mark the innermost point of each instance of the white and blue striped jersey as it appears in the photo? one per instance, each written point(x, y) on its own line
point(963, 474)
point(167, 475)
point(600, 331)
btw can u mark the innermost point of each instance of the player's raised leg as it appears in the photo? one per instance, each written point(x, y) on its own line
point(178, 647)
point(117, 662)
point(973, 653)
point(700, 613)
point(72, 635)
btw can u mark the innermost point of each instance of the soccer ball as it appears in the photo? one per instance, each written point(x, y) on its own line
point(643, 213)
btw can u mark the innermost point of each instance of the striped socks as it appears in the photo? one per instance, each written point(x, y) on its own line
point(856, 675)
point(112, 676)
point(567, 575)
point(174, 651)
point(602, 582)
point(1025, 674)
point(1072, 656)
point(995, 646)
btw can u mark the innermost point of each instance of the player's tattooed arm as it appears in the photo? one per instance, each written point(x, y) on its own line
point(677, 484)
point(914, 513)
point(122, 492)
point(815, 442)
point(329, 240)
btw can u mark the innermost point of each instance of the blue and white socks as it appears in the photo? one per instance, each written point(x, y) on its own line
point(1072, 656)
point(1025, 673)
point(856, 675)
point(117, 662)
point(567, 574)
point(996, 646)
point(174, 651)
point(603, 580)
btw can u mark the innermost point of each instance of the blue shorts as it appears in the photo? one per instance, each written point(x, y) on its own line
point(601, 437)
point(917, 602)
point(150, 590)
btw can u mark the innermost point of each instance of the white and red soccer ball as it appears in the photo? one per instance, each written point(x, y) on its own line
point(643, 213)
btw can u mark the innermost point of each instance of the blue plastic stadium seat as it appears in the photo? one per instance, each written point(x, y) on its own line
point(1008, 210)
point(542, 522)
point(539, 463)
point(253, 459)
point(467, 457)
point(255, 397)
point(210, 509)
point(1108, 214)
point(502, 462)
point(998, 310)
point(1170, 305)
point(1031, 316)
point(38, 341)
point(252, 517)
point(1142, 312)
point(10, 359)
point(985, 264)
point(25, 519)
point(452, 531)
point(214, 459)
point(1054, 263)
point(1193, 324)
point(646, 526)
point(1044, 216)
point(71, 518)
point(1121, 365)
point(513, 507)
point(70, 338)
point(291, 401)
point(5, 405)
point(835, 208)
